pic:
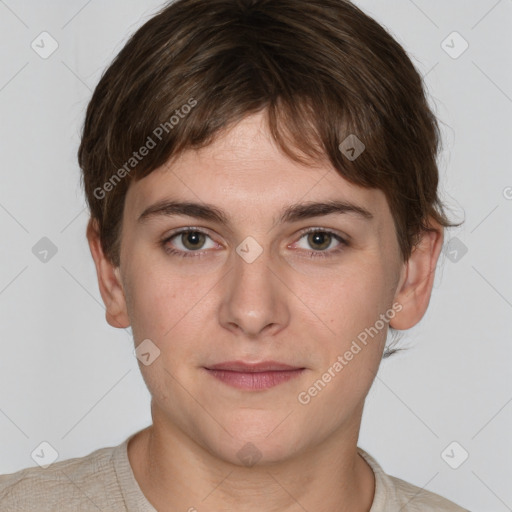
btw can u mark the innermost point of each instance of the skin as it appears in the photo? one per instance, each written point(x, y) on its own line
point(284, 306)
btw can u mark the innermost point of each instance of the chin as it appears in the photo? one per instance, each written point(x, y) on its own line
point(263, 443)
point(256, 453)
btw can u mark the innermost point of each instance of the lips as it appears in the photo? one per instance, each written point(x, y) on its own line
point(264, 366)
point(253, 376)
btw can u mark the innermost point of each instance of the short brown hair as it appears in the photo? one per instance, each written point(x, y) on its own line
point(320, 69)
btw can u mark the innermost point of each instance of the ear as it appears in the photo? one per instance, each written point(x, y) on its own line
point(417, 279)
point(109, 280)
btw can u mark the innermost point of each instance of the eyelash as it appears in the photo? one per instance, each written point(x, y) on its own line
point(199, 254)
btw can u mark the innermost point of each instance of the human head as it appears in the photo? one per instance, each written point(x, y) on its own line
point(317, 72)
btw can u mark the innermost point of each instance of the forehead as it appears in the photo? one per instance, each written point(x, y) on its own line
point(244, 170)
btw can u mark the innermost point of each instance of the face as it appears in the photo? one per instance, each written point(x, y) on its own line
point(256, 287)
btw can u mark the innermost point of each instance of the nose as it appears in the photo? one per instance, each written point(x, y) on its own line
point(254, 298)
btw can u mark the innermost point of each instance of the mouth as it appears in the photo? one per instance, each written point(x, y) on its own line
point(253, 376)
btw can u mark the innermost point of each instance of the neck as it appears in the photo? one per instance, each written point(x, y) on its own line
point(175, 473)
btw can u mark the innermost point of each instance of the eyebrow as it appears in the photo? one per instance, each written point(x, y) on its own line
point(292, 213)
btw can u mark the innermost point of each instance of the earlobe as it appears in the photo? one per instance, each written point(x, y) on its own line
point(109, 280)
point(417, 280)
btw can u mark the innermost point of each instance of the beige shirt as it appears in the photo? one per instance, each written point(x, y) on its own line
point(103, 481)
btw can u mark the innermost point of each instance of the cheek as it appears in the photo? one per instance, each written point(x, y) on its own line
point(353, 345)
point(155, 301)
point(166, 306)
point(347, 302)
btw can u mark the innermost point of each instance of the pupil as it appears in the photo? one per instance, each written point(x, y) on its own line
point(317, 239)
point(192, 239)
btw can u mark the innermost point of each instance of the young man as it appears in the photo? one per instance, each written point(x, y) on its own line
point(262, 183)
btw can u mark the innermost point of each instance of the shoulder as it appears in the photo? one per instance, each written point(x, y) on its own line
point(392, 493)
point(415, 498)
point(81, 483)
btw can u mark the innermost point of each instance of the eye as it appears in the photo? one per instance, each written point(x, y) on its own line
point(188, 241)
point(191, 242)
point(321, 239)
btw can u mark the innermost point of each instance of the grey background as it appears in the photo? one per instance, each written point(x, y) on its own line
point(68, 378)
